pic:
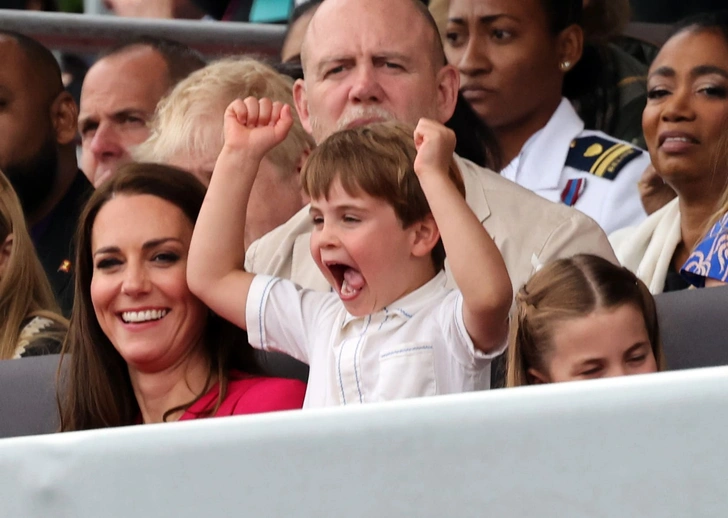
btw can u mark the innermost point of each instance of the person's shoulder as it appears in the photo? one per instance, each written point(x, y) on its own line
point(40, 336)
point(272, 253)
point(300, 223)
point(507, 198)
point(630, 243)
point(75, 198)
point(254, 394)
point(604, 156)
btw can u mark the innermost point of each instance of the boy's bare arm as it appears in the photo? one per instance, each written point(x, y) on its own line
point(217, 252)
point(475, 262)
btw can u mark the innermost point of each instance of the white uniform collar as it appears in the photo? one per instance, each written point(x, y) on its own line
point(541, 161)
point(410, 303)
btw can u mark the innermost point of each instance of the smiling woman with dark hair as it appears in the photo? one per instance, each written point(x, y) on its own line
point(143, 348)
point(684, 121)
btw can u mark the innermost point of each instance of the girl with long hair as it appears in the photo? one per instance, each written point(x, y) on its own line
point(31, 321)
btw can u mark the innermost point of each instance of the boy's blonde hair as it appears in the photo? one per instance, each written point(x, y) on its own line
point(24, 288)
point(378, 160)
point(565, 289)
point(190, 119)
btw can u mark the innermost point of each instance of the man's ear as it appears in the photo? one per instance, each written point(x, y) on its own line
point(64, 116)
point(5, 250)
point(301, 101)
point(448, 84)
point(536, 378)
point(425, 236)
point(570, 47)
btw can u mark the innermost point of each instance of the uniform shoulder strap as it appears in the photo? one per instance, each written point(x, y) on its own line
point(600, 156)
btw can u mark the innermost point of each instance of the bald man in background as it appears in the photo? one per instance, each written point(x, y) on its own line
point(119, 96)
point(38, 154)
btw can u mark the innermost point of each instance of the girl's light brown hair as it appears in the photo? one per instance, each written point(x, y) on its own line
point(96, 391)
point(24, 288)
point(566, 289)
point(376, 159)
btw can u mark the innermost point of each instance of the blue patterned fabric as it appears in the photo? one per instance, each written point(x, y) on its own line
point(709, 260)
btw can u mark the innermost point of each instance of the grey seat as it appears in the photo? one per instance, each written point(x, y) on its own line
point(693, 324)
point(28, 396)
point(28, 390)
point(694, 327)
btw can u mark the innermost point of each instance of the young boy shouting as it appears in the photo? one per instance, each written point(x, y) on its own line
point(383, 205)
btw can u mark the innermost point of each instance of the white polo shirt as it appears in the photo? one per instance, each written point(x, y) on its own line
point(417, 346)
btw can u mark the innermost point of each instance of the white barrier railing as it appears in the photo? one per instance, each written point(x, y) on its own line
point(643, 446)
point(85, 33)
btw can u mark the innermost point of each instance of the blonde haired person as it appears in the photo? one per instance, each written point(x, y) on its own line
point(582, 318)
point(31, 324)
point(187, 132)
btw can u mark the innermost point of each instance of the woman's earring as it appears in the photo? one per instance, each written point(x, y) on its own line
point(565, 65)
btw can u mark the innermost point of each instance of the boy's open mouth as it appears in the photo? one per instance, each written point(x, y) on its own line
point(349, 281)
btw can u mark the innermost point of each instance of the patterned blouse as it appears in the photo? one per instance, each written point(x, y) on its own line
point(32, 341)
point(709, 260)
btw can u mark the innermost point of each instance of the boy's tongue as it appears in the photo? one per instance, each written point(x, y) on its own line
point(353, 280)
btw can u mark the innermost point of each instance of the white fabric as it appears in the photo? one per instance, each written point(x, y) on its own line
point(527, 230)
point(539, 167)
point(649, 446)
point(417, 346)
point(648, 248)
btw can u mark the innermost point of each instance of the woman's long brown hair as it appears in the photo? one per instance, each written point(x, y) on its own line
point(95, 391)
point(24, 288)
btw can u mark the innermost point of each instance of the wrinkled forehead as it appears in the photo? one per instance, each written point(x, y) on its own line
point(350, 28)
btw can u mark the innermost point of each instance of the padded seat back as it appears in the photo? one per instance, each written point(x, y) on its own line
point(28, 396)
point(694, 327)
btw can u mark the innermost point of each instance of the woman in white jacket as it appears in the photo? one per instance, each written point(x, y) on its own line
point(685, 117)
point(513, 57)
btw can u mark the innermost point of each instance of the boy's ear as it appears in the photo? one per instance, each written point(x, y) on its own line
point(536, 378)
point(425, 236)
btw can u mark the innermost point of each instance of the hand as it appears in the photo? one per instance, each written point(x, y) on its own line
point(435, 146)
point(654, 192)
point(256, 126)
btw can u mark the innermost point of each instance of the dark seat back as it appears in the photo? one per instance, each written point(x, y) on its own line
point(28, 390)
point(694, 327)
point(28, 396)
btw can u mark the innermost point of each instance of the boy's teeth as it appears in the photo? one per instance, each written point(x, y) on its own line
point(143, 316)
point(347, 289)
